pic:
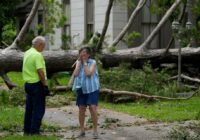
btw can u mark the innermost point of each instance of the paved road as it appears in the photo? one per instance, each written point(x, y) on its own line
point(125, 128)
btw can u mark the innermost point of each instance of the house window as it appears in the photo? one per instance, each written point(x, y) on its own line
point(40, 24)
point(66, 31)
point(67, 12)
point(89, 16)
point(40, 18)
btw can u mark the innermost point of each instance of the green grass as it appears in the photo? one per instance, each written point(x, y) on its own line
point(16, 77)
point(167, 111)
point(159, 111)
point(18, 137)
point(11, 118)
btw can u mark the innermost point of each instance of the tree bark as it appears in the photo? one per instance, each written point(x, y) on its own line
point(189, 56)
point(140, 96)
point(57, 61)
point(25, 26)
point(141, 3)
point(1, 29)
point(134, 95)
point(106, 23)
point(6, 79)
point(196, 80)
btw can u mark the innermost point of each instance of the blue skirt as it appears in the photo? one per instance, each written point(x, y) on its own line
point(87, 99)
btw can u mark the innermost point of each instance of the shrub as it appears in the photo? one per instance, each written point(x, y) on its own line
point(9, 33)
point(17, 96)
point(190, 132)
point(4, 97)
point(146, 80)
point(198, 116)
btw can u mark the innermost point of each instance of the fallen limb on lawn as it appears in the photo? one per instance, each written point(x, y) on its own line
point(129, 93)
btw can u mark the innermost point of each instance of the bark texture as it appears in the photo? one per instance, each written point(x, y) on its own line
point(57, 61)
point(134, 95)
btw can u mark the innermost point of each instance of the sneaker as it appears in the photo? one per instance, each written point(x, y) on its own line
point(95, 135)
point(81, 134)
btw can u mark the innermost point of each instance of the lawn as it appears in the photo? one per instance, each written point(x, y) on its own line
point(157, 111)
point(167, 111)
point(11, 118)
point(16, 77)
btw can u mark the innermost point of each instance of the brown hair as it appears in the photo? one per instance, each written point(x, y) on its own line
point(86, 48)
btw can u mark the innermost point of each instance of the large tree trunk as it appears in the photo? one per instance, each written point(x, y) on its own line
point(189, 56)
point(106, 23)
point(141, 3)
point(25, 26)
point(57, 61)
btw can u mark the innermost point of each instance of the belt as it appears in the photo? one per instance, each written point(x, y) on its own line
point(37, 83)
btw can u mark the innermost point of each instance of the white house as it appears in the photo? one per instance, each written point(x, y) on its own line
point(85, 16)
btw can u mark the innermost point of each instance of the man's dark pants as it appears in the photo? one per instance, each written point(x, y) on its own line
point(35, 108)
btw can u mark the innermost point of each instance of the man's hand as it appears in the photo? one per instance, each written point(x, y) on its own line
point(46, 91)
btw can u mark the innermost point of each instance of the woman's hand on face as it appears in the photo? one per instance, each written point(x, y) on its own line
point(84, 57)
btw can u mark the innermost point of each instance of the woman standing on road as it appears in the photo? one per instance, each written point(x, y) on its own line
point(86, 85)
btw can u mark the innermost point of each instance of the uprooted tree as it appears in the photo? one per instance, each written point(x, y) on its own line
point(11, 57)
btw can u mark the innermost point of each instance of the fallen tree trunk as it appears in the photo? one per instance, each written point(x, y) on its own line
point(196, 80)
point(135, 95)
point(57, 61)
point(156, 57)
point(141, 96)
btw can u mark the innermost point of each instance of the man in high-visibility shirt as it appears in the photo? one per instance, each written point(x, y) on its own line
point(34, 75)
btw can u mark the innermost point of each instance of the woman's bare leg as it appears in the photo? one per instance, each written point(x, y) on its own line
point(93, 112)
point(82, 110)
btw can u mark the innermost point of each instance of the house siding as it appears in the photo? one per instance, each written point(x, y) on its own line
point(100, 11)
point(120, 17)
point(77, 21)
point(144, 23)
